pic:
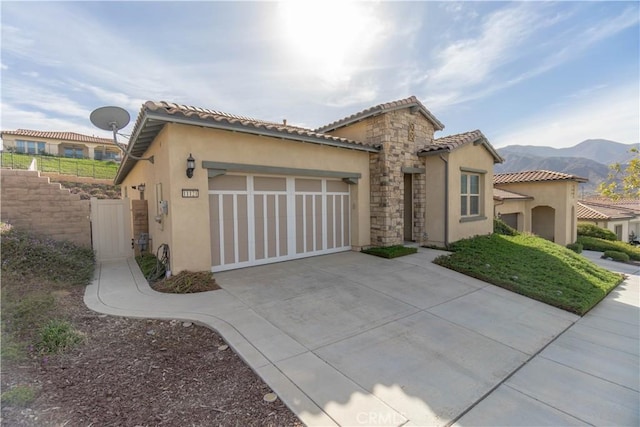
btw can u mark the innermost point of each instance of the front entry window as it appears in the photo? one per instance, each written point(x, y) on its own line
point(469, 194)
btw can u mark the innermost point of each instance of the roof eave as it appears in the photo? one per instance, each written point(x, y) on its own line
point(128, 163)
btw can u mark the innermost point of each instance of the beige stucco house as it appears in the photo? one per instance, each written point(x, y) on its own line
point(541, 202)
point(264, 192)
point(62, 144)
point(620, 216)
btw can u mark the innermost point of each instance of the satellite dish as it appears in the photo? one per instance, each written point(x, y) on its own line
point(113, 119)
point(110, 118)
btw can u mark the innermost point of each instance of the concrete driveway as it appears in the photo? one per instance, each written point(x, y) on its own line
point(372, 341)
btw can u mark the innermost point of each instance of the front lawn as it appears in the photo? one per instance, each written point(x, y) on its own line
point(533, 267)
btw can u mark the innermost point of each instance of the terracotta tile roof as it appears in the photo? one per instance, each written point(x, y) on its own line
point(411, 102)
point(155, 114)
point(535, 176)
point(258, 126)
point(64, 136)
point(500, 194)
point(449, 143)
point(595, 211)
point(625, 203)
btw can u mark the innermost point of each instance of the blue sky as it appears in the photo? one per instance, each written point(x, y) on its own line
point(528, 73)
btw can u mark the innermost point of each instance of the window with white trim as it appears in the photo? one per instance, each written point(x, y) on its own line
point(469, 194)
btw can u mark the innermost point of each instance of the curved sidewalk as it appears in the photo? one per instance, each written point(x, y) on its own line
point(530, 364)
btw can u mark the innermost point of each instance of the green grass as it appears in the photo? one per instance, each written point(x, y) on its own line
point(533, 267)
point(98, 169)
point(601, 245)
point(56, 336)
point(391, 251)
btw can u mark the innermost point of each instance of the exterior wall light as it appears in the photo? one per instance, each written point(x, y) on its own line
point(141, 187)
point(191, 165)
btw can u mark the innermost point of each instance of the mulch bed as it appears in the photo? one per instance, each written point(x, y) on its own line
point(132, 372)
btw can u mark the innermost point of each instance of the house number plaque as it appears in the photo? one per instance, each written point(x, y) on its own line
point(190, 193)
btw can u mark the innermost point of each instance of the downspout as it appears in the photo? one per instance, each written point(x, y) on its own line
point(446, 201)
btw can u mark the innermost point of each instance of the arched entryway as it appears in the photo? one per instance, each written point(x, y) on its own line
point(543, 222)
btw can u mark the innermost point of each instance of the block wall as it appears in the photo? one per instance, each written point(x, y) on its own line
point(31, 202)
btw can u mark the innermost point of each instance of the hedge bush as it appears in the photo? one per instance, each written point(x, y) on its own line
point(575, 247)
point(600, 245)
point(390, 251)
point(592, 230)
point(616, 256)
point(501, 227)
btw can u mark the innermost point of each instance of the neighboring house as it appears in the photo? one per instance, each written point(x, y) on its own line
point(264, 192)
point(620, 216)
point(541, 202)
point(62, 144)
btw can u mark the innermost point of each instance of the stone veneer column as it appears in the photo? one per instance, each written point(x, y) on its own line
point(400, 133)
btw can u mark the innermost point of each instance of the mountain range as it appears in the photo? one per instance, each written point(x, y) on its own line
point(589, 159)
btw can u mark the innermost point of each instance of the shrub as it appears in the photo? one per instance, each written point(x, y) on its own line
point(57, 336)
point(25, 254)
point(501, 227)
point(592, 230)
point(600, 245)
point(21, 395)
point(575, 247)
point(152, 269)
point(616, 256)
point(391, 251)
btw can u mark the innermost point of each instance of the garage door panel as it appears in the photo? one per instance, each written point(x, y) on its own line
point(228, 229)
point(214, 215)
point(242, 227)
point(282, 224)
point(272, 223)
point(257, 220)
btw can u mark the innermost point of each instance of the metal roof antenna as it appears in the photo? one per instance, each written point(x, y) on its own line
point(113, 119)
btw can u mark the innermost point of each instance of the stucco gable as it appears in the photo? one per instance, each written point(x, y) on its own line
point(412, 103)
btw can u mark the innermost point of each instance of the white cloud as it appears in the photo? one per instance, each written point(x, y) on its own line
point(609, 113)
point(23, 119)
point(476, 68)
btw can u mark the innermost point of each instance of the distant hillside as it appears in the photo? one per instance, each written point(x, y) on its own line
point(589, 159)
point(599, 150)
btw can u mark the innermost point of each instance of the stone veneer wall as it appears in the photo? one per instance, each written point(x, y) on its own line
point(31, 202)
point(401, 133)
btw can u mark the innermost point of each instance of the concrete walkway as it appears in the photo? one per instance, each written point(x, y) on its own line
point(351, 339)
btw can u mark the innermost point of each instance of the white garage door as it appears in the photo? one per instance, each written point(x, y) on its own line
point(263, 219)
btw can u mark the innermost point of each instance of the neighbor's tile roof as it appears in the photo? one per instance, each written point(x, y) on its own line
point(64, 136)
point(535, 176)
point(594, 211)
point(451, 142)
point(412, 101)
point(155, 114)
point(625, 203)
point(500, 194)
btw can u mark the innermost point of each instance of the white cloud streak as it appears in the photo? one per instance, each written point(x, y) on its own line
point(475, 68)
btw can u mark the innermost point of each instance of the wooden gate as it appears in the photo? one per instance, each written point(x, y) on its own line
point(111, 229)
